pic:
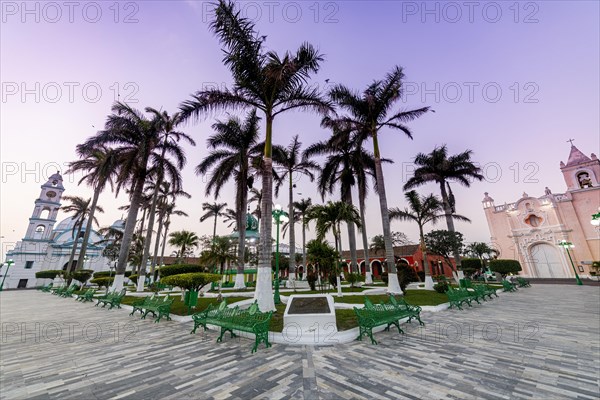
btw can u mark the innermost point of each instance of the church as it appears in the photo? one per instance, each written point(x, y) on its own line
point(530, 229)
point(46, 246)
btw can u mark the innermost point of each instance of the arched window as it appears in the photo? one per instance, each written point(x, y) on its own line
point(40, 229)
point(45, 214)
point(533, 220)
point(583, 178)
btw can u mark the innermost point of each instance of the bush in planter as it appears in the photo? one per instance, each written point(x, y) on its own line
point(82, 275)
point(505, 267)
point(470, 265)
point(49, 274)
point(103, 281)
point(179, 269)
point(441, 287)
point(352, 278)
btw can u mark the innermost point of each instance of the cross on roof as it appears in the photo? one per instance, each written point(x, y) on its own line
point(571, 141)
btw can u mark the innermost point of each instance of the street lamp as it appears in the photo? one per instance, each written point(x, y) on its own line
point(8, 264)
point(278, 216)
point(566, 245)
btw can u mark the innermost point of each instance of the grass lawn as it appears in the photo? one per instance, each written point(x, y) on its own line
point(414, 297)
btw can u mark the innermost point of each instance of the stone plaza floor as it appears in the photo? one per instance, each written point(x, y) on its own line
point(538, 343)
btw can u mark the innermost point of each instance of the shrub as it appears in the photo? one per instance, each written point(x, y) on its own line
point(179, 269)
point(421, 275)
point(352, 278)
point(311, 278)
point(48, 274)
point(384, 277)
point(103, 274)
point(133, 278)
point(333, 280)
point(103, 281)
point(82, 275)
point(440, 278)
point(441, 287)
point(191, 281)
point(505, 266)
point(470, 265)
point(406, 275)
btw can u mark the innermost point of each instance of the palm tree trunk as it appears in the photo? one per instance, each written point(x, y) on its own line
point(263, 293)
point(242, 194)
point(347, 198)
point(338, 248)
point(164, 243)
point(393, 284)
point(291, 226)
point(426, 268)
point(365, 239)
point(128, 235)
point(304, 267)
point(74, 248)
point(88, 228)
point(156, 245)
point(449, 221)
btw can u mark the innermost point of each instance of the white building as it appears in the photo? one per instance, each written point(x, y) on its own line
point(47, 247)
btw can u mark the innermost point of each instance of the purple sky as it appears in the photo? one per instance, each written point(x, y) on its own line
point(542, 56)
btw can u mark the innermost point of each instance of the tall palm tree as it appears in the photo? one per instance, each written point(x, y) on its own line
point(293, 165)
point(368, 113)
point(185, 240)
point(138, 142)
point(213, 210)
point(99, 165)
point(422, 210)
point(328, 218)
point(272, 84)
point(302, 209)
point(220, 253)
point(233, 147)
point(163, 167)
point(440, 168)
point(81, 211)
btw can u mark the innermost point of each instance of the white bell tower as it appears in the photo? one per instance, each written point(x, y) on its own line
point(46, 209)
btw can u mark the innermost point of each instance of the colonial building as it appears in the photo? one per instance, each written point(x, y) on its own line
point(45, 246)
point(530, 229)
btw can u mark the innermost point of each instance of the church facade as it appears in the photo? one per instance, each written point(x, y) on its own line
point(46, 246)
point(530, 229)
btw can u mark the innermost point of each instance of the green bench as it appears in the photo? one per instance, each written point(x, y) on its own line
point(113, 299)
point(59, 290)
point(87, 296)
point(138, 305)
point(45, 288)
point(485, 290)
point(508, 287)
point(211, 311)
point(523, 282)
point(460, 297)
point(374, 315)
point(229, 319)
point(159, 307)
point(69, 291)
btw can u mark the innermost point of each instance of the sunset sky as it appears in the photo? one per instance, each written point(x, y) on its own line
point(510, 81)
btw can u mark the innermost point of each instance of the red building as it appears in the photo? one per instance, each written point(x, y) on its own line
point(412, 254)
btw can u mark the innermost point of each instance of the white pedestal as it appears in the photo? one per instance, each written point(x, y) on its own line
point(310, 328)
point(291, 284)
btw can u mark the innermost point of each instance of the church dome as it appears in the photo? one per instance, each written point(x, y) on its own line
point(68, 224)
point(118, 225)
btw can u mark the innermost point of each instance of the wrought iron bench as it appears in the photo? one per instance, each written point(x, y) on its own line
point(523, 282)
point(160, 307)
point(113, 299)
point(508, 287)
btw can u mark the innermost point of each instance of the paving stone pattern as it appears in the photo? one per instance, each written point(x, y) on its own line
point(539, 343)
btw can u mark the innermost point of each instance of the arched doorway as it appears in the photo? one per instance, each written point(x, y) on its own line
point(376, 268)
point(546, 261)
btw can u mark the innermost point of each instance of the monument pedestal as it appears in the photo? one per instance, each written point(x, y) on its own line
point(310, 319)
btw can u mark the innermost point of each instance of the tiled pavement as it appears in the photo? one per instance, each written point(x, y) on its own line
point(541, 343)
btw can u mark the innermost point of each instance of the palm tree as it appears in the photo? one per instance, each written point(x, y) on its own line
point(483, 251)
point(377, 244)
point(438, 167)
point(220, 253)
point(302, 209)
point(367, 115)
point(270, 83)
point(213, 210)
point(231, 217)
point(233, 147)
point(169, 139)
point(422, 210)
point(328, 218)
point(80, 209)
point(185, 240)
point(256, 197)
point(169, 210)
point(293, 165)
point(99, 164)
point(138, 143)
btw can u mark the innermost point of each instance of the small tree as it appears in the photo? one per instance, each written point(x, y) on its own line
point(354, 278)
point(191, 281)
point(82, 275)
point(444, 244)
point(505, 267)
point(471, 265)
point(48, 274)
point(104, 281)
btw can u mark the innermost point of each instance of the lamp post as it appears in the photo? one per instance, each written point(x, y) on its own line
point(278, 216)
point(566, 245)
point(8, 264)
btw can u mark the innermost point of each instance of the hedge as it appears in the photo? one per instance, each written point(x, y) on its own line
point(470, 265)
point(48, 274)
point(505, 266)
point(179, 269)
point(192, 281)
point(103, 281)
point(102, 274)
